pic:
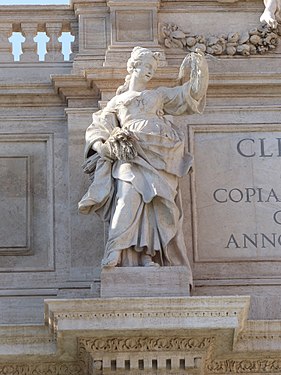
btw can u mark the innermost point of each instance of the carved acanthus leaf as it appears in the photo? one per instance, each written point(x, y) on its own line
point(246, 366)
point(252, 42)
point(143, 344)
point(52, 368)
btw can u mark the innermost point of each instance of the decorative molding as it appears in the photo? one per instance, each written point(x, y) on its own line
point(252, 42)
point(147, 312)
point(145, 353)
point(245, 366)
point(259, 336)
point(144, 344)
point(51, 368)
point(27, 340)
point(139, 315)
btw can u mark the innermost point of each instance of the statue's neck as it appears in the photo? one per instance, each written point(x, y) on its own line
point(136, 84)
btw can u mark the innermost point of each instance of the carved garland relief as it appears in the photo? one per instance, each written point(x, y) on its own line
point(256, 41)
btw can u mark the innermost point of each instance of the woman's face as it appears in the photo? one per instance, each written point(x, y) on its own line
point(145, 68)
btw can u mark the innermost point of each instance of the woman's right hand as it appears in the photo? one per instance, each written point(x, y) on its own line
point(103, 149)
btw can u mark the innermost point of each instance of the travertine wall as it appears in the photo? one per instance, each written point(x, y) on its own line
point(231, 201)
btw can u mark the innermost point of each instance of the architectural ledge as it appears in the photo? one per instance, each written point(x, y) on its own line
point(28, 95)
point(102, 83)
point(260, 335)
point(185, 335)
point(182, 313)
point(74, 88)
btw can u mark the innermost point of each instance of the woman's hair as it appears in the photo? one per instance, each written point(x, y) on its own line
point(136, 56)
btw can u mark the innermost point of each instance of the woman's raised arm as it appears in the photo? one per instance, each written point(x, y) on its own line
point(199, 76)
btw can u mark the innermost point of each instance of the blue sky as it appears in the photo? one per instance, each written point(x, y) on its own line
point(26, 2)
point(17, 38)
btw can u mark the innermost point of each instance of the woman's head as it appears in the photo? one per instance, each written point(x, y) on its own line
point(143, 64)
point(143, 58)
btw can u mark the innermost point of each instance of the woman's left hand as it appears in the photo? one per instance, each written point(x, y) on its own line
point(197, 61)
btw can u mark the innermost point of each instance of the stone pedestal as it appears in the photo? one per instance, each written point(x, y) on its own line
point(145, 282)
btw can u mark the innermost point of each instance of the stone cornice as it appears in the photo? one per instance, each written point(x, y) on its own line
point(259, 336)
point(148, 313)
point(85, 6)
point(25, 95)
point(106, 80)
point(133, 3)
point(212, 334)
point(42, 13)
point(74, 87)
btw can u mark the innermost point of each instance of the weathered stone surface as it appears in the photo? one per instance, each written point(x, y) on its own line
point(49, 251)
point(237, 199)
point(145, 282)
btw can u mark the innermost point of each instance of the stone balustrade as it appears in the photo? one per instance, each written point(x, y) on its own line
point(30, 34)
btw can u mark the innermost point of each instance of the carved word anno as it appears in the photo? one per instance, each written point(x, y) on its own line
point(252, 42)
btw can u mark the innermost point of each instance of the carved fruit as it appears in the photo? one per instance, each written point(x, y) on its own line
point(271, 39)
point(254, 32)
point(168, 43)
point(190, 41)
point(178, 34)
point(217, 49)
point(200, 46)
point(178, 43)
point(230, 50)
point(256, 40)
point(244, 38)
point(212, 40)
point(233, 37)
point(244, 50)
point(253, 49)
point(262, 49)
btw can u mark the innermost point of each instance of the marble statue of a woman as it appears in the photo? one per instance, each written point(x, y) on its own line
point(136, 156)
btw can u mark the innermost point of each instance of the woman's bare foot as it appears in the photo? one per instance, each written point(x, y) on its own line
point(147, 261)
point(112, 260)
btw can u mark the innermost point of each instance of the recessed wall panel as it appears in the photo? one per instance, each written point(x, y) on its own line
point(15, 205)
point(237, 194)
point(26, 202)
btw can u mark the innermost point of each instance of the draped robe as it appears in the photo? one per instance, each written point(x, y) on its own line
point(140, 198)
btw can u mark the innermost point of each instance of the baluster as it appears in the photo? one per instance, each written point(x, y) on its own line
point(29, 46)
point(75, 43)
point(6, 30)
point(54, 47)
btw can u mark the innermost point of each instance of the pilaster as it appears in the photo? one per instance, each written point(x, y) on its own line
point(93, 21)
point(133, 23)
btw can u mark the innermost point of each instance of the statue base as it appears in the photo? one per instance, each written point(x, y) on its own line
point(145, 282)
